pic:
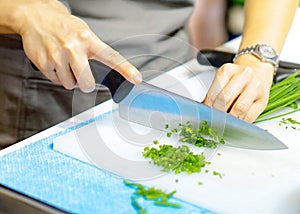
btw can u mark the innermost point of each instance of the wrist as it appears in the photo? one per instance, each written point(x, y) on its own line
point(253, 62)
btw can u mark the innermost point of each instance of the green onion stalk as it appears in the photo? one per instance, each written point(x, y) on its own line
point(283, 94)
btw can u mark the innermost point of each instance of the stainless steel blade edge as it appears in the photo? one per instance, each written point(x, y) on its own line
point(154, 107)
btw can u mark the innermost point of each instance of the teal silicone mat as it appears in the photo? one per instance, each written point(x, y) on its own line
point(71, 185)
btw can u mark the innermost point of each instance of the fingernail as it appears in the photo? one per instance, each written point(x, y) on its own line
point(86, 87)
point(137, 77)
point(89, 89)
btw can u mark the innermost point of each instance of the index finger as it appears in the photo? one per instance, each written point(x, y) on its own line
point(223, 76)
point(110, 57)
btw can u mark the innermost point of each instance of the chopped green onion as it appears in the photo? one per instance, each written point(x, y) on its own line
point(166, 203)
point(217, 174)
point(203, 136)
point(156, 142)
point(289, 122)
point(174, 130)
point(158, 196)
point(178, 159)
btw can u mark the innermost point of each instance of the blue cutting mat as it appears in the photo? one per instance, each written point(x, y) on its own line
point(49, 176)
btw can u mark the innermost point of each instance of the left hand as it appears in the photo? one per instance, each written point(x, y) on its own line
point(242, 89)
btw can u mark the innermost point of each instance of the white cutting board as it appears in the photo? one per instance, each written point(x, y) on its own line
point(253, 182)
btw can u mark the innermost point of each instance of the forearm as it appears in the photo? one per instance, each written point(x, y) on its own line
point(13, 13)
point(267, 22)
point(9, 20)
point(243, 88)
point(208, 13)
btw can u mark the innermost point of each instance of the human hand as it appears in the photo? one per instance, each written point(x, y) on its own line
point(241, 89)
point(60, 45)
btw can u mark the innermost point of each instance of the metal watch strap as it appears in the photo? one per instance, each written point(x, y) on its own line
point(251, 50)
point(244, 51)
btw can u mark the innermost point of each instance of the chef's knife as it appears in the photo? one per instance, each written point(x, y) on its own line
point(154, 107)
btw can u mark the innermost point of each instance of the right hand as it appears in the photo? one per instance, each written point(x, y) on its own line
point(60, 45)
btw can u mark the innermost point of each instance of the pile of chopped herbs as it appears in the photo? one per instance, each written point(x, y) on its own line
point(282, 94)
point(202, 136)
point(177, 159)
point(159, 197)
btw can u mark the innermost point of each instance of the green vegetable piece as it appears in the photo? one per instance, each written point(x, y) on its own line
point(136, 205)
point(174, 130)
point(217, 174)
point(292, 121)
point(158, 196)
point(156, 142)
point(200, 183)
point(169, 134)
point(167, 204)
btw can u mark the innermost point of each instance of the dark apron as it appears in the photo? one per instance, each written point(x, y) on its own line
point(30, 102)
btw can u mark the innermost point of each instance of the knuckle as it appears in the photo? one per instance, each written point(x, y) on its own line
point(116, 59)
point(248, 71)
point(69, 85)
point(249, 117)
point(112, 55)
point(264, 103)
point(225, 70)
point(208, 99)
point(84, 34)
point(42, 64)
point(226, 66)
point(241, 107)
point(227, 95)
point(54, 56)
point(69, 46)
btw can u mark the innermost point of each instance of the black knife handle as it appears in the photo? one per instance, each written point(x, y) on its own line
point(214, 57)
point(218, 58)
point(118, 86)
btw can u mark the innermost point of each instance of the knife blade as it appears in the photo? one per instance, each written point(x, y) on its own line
point(155, 107)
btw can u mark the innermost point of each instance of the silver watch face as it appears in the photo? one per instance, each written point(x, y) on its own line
point(267, 51)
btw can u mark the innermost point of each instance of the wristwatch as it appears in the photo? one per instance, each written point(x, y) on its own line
point(263, 52)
